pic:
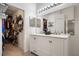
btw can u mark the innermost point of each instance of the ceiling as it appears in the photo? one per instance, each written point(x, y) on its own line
point(3, 7)
point(11, 10)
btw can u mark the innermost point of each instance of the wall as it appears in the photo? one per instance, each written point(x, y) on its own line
point(29, 10)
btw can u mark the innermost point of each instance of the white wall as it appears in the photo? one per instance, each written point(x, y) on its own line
point(29, 10)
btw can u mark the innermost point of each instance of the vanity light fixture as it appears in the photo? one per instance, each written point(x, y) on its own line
point(42, 10)
point(49, 7)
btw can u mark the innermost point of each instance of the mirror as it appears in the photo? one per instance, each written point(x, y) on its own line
point(35, 22)
point(32, 22)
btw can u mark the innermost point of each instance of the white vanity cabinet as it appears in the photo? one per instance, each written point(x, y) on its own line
point(40, 45)
point(58, 47)
point(48, 46)
point(43, 46)
point(33, 44)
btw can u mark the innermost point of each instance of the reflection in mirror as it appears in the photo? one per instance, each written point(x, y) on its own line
point(71, 27)
point(35, 22)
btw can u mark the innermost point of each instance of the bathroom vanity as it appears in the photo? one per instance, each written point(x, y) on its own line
point(60, 21)
point(49, 45)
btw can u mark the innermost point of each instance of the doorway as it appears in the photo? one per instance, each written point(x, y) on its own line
point(12, 31)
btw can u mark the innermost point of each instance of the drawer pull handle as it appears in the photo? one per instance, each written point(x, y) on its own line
point(50, 41)
point(34, 38)
point(34, 50)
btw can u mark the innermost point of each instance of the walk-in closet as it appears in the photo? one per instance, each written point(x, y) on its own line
point(12, 28)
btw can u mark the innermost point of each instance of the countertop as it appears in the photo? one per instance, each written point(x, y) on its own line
point(53, 35)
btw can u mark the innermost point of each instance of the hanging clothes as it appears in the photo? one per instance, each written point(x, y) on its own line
point(3, 25)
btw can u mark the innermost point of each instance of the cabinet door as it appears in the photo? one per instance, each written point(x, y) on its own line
point(57, 47)
point(43, 46)
point(33, 44)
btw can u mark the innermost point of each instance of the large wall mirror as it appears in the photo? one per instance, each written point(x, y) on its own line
point(34, 22)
